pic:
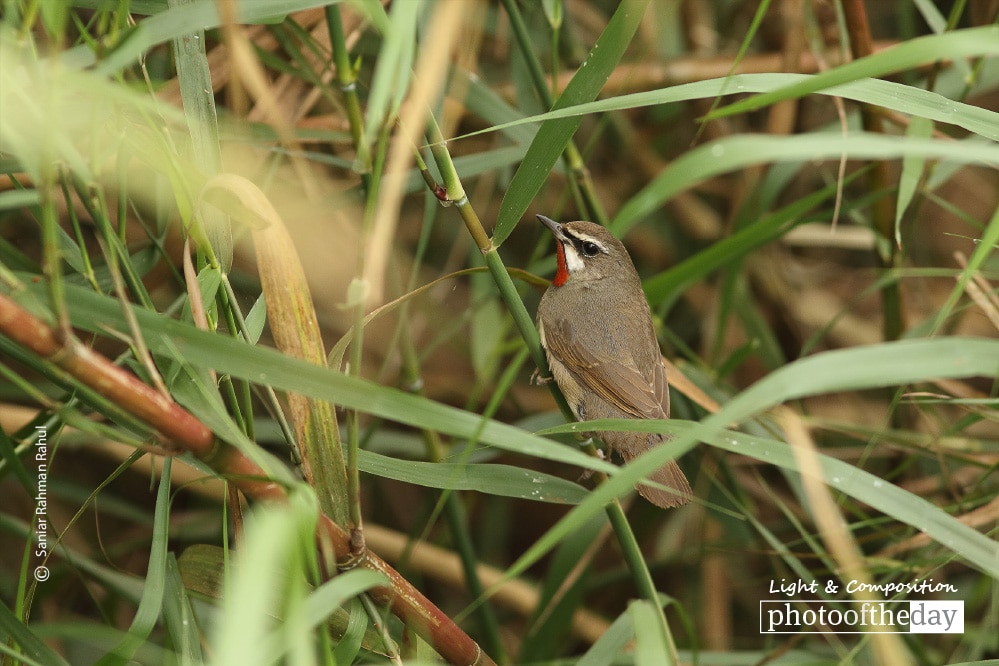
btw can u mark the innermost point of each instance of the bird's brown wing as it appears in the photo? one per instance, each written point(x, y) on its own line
point(620, 384)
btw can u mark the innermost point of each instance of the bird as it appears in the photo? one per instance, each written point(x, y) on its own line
point(596, 329)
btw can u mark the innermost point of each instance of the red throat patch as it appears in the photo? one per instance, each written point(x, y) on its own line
point(562, 273)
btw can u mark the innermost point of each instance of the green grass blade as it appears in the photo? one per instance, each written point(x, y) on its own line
point(723, 252)
point(195, 81)
point(334, 593)
point(983, 250)
point(267, 366)
point(127, 587)
point(394, 69)
point(611, 644)
point(970, 43)
point(178, 21)
point(268, 575)
point(896, 363)
point(888, 94)
point(651, 647)
point(491, 107)
point(736, 152)
point(554, 135)
point(912, 171)
point(931, 15)
point(900, 362)
point(863, 486)
point(151, 603)
point(179, 618)
point(10, 461)
point(15, 199)
point(34, 650)
point(500, 480)
point(550, 623)
point(882, 495)
point(87, 637)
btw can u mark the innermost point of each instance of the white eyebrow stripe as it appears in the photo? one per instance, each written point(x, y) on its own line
point(584, 238)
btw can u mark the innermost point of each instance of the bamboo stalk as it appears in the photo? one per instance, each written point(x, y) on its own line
point(182, 429)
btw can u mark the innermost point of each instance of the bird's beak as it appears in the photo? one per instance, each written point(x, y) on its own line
point(553, 227)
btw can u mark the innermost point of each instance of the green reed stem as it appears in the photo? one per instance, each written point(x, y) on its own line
point(529, 332)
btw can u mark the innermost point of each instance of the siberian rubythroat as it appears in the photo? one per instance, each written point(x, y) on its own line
point(596, 328)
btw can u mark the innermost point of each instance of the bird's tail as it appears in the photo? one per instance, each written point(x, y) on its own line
point(669, 475)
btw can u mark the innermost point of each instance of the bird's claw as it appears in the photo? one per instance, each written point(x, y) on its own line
point(538, 380)
point(587, 473)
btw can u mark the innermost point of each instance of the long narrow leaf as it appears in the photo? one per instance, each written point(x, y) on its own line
point(267, 366)
point(152, 592)
point(195, 81)
point(736, 152)
point(970, 43)
point(553, 136)
point(34, 649)
point(889, 364)
point(161, 28)
point(888, 94)
point(769, 228)
point(501, 480)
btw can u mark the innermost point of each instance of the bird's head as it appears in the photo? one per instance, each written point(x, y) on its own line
point(586, 252)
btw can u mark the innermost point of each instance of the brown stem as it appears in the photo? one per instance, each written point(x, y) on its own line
point(653, 74)
point(883, 209)
point(182, 429)
point(141, 400)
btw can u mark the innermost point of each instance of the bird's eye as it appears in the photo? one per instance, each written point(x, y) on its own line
point(591, 249)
